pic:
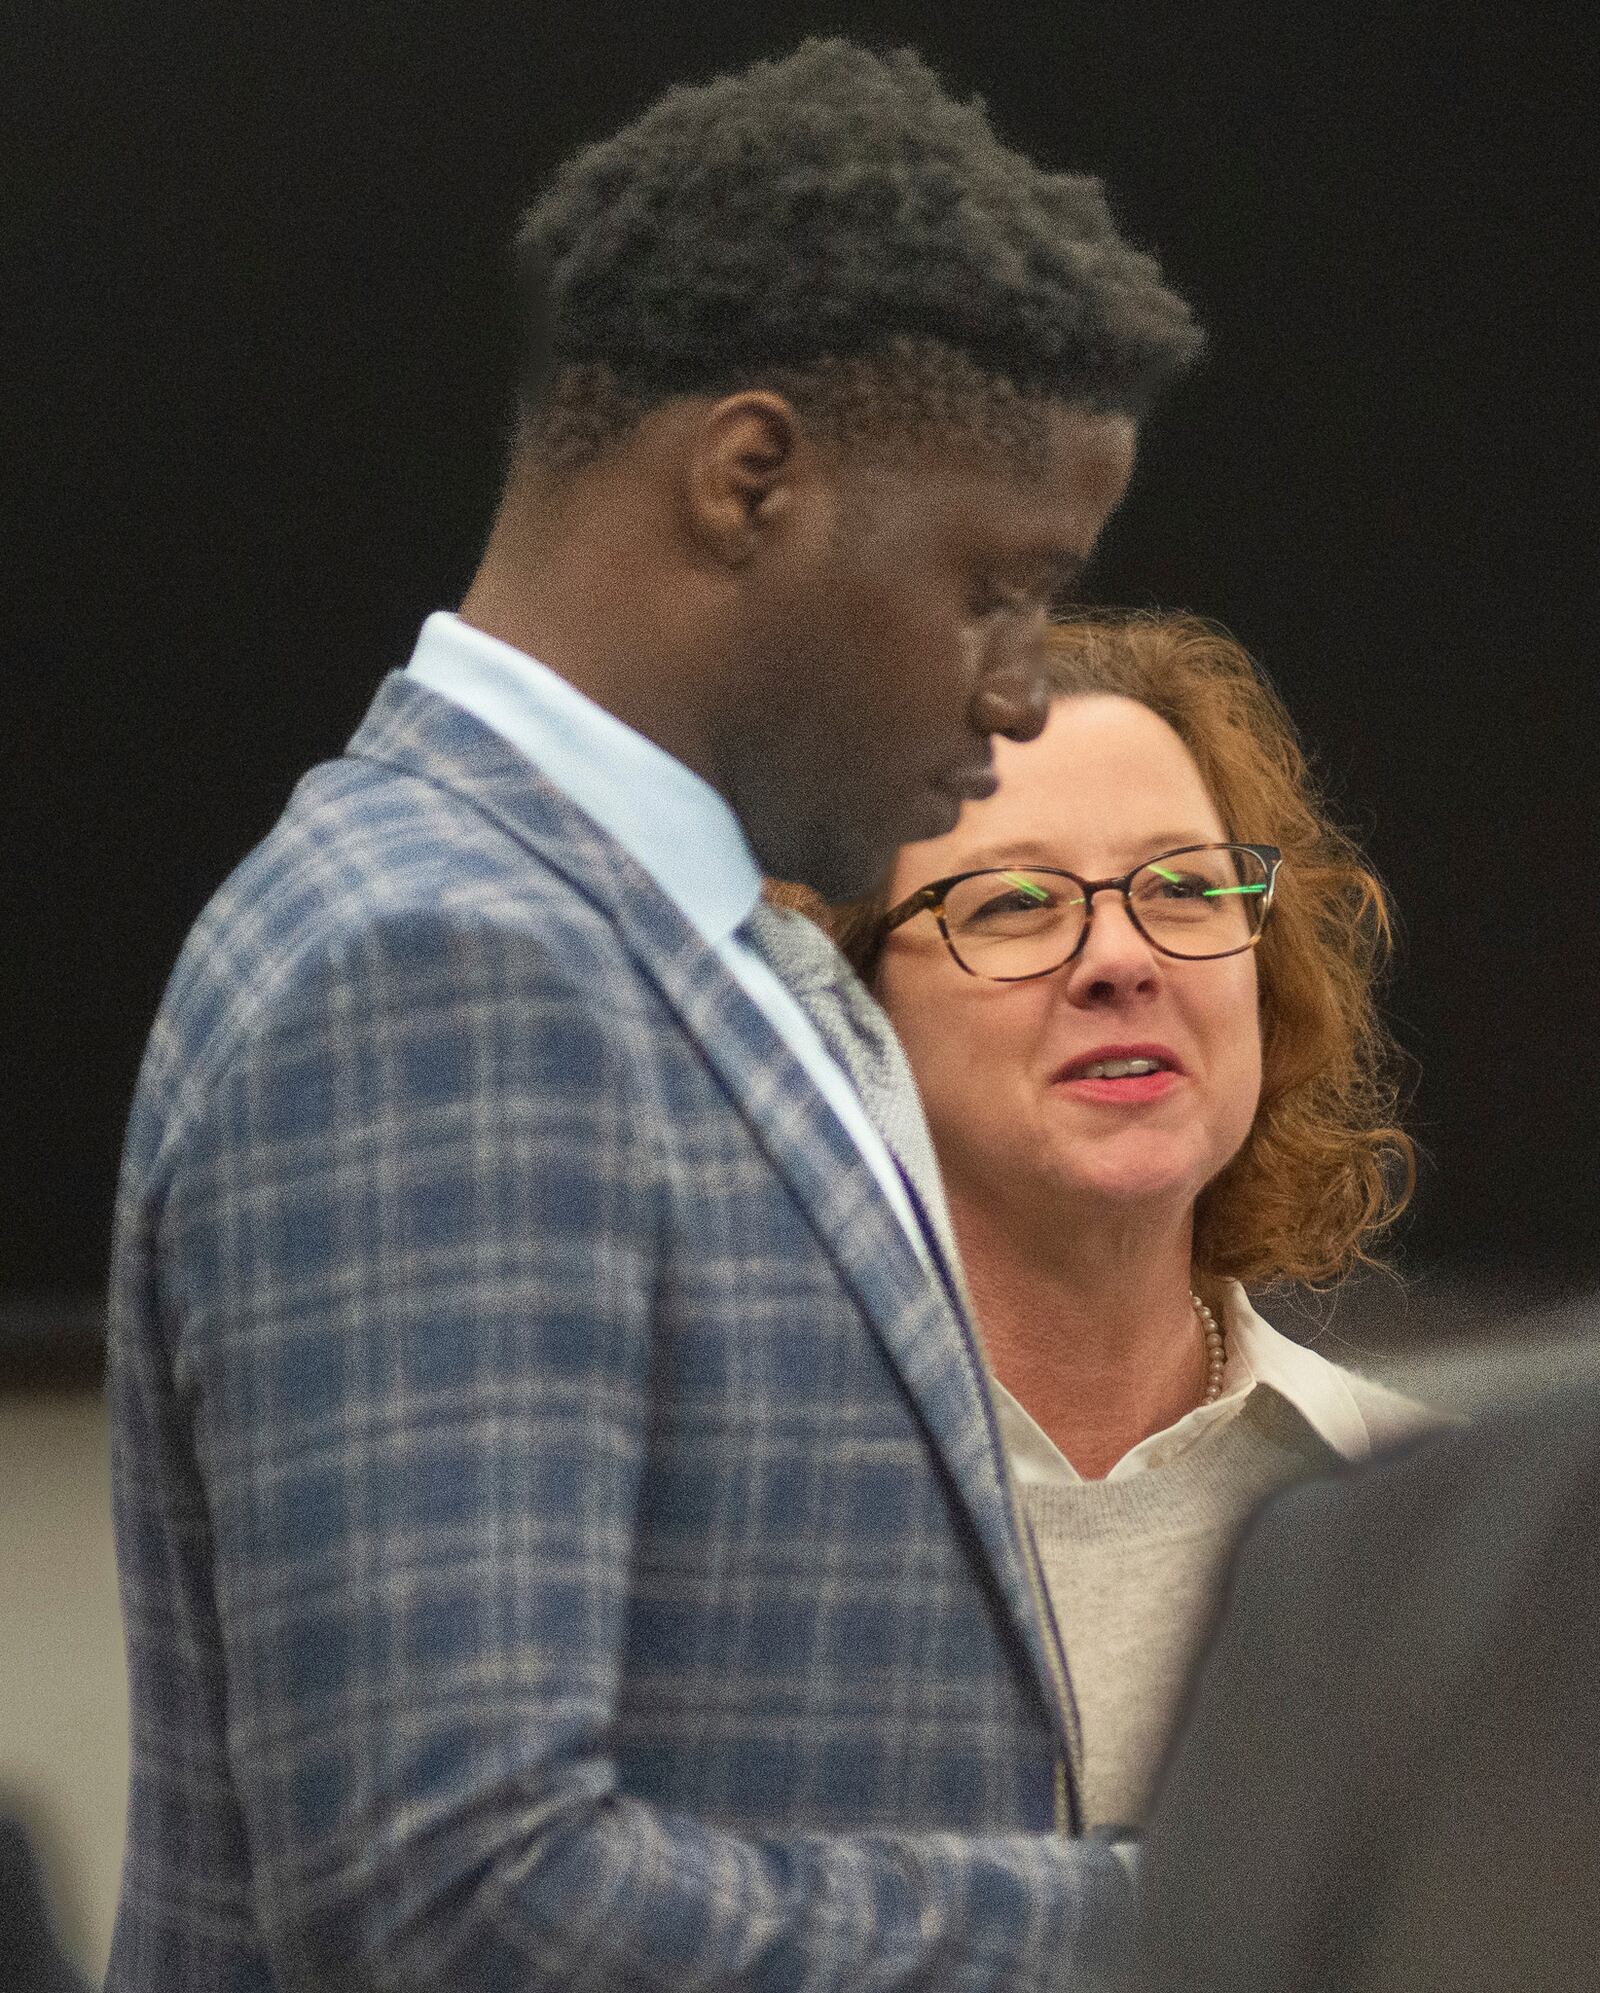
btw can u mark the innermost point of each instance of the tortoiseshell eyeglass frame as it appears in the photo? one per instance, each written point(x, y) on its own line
point(931, 899)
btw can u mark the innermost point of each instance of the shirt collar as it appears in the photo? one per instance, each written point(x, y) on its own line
point(661, 813)
point(1318, 1390)
point(1257, 1354)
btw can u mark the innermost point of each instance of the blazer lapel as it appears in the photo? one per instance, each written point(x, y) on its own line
point(918, 1315)
point(911, 1306)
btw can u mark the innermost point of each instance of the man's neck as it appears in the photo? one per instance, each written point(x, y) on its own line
point(569, 628)
point(575, 575)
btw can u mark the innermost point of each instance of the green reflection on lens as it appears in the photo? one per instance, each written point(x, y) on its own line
point(1025, 886)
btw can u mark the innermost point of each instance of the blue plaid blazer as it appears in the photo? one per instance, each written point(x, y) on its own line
point(562, 1534)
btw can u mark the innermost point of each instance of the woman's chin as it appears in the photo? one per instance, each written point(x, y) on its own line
point(1120, 1186)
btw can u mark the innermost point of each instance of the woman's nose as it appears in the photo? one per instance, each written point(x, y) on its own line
point(1115, 956)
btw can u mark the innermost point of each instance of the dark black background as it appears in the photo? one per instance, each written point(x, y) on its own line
point(257, 357)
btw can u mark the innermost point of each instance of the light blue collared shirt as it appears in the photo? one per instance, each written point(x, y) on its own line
point(663, 815)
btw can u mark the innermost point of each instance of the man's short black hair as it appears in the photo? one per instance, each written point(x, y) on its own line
point(833, 225)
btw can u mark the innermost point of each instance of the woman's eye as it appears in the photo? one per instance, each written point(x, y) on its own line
point(1017, 901)
point(1167, 885)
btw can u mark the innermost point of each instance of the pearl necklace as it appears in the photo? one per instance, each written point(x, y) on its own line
point(1216, 1352)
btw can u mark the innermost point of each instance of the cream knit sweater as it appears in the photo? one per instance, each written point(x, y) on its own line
point(1134, 1568)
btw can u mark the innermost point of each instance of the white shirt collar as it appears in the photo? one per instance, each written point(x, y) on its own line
point(661, 813)
point(1257, 1354)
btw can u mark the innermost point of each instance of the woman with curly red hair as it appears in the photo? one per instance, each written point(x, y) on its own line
point(1135, 987)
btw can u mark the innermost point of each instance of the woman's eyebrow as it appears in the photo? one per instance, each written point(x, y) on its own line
point(995, 856)
point(1031, 851)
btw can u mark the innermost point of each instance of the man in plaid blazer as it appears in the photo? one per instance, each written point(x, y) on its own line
point(564, 1536)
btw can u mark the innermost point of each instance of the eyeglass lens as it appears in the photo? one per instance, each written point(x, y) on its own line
point(1021, 922)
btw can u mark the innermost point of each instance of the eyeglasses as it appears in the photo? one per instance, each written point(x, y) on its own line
point(1197, 904)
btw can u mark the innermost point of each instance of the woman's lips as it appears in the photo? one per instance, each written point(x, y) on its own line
point(1081, 1078)
point(1133, 1091)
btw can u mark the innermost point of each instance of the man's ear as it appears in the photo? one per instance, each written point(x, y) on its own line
point(740, 473)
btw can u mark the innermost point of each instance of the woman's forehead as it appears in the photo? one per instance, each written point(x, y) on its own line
point(1107, 782)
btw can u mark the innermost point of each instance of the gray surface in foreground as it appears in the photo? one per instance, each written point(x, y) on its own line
point(1465, 1346)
